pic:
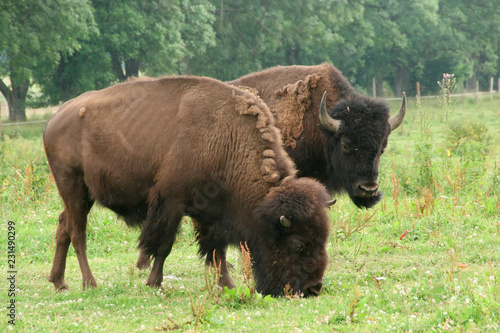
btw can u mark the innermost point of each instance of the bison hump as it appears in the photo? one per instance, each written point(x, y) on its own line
point(292, 102)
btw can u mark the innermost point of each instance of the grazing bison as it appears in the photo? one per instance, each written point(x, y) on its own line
point(344, 152)
point(155, 150)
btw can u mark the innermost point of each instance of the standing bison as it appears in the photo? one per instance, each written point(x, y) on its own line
point(344, 152)
point(155, 150)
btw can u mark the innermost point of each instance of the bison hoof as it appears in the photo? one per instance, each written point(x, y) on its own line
point(154, 284)
point(59, 284)
point(64, 287)
point(89, 284)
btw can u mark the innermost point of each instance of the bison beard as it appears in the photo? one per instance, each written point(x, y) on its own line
point(366, 202)
point(156, 150)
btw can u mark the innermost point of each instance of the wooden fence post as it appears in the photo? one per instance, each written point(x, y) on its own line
point(477, 91)
point(374, 87)
point(491, 88)
point(418, 90)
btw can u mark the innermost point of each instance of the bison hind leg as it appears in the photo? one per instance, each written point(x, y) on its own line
point(72, 230)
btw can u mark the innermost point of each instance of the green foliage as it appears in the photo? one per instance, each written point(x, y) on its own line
point(252, 35)
point(241, 296)
point(462, 133)
point(155, 37)
point(71, 46)
point(35, 33)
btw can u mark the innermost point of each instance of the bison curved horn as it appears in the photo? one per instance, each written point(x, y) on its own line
point(285, 222)
point(398, 118)
point(331, 203)
point(328, 122)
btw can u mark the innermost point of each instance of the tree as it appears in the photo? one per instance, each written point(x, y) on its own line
point(89, 68)
point(153, 36)
point(252, 35)
point(475, 37)
point(35, 31)
point(406, 37)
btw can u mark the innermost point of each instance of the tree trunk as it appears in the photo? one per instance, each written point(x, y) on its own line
point(401, 80)
point(116, 63)
point(16, 99)
point(131, 68)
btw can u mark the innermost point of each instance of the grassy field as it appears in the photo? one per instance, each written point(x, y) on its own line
point(427, 258)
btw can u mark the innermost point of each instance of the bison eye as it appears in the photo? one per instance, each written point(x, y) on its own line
point(346, 149)
point(299, 247)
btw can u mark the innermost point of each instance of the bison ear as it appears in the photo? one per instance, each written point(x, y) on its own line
point(285, 222)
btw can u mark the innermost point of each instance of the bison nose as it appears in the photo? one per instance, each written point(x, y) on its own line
point(314, 290)
point(367, 189)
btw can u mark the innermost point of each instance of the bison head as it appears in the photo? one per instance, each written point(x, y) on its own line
point(356, 132)
point(290, 252)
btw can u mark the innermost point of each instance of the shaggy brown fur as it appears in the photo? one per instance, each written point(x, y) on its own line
point(156, 150)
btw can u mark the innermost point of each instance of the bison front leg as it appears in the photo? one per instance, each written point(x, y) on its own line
point(218, 258)
point(155, 277)
point(158, 237)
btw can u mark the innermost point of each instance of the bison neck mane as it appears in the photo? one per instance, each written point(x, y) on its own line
point(275, 163)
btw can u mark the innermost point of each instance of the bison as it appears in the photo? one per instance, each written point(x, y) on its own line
point(155, 150)
point(344, 151)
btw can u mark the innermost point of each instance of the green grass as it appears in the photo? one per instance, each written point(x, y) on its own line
point(443, 275)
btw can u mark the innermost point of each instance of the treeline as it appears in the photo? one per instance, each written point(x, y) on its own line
point(67, 47)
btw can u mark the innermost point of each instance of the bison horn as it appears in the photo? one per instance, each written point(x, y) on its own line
point(285, 222)
point(395, 121)
point(331, 202)
point(328, 122)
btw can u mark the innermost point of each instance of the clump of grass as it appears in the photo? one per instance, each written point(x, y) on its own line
point(395, 190)
point(348, 226)
point(448, 85)
point(424, 149)
point(425, 202)
point(244, 294)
